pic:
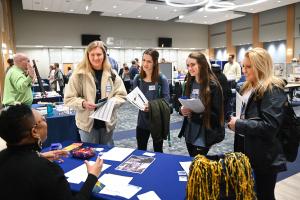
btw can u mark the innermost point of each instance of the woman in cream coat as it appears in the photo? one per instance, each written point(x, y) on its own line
point(92, 80)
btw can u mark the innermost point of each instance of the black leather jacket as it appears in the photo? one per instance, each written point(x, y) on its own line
point(256, 132)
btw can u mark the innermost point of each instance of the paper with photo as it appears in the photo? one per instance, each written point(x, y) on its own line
point(238, 105)
point(136, 164)
point(195, 105)
point(79, 174)
point(104, 112)
point(117, 154)
point(151, 195)
point(186, 166)
point(137, 98)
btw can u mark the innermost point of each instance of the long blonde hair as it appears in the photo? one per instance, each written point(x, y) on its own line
point(85, 64)
point(262, 65)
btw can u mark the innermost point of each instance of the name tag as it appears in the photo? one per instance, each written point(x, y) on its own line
point(195, 91)
point(151, 87)
point(108, 88)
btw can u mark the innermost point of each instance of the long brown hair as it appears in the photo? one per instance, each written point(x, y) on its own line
point(155, 72)
point(205, 76)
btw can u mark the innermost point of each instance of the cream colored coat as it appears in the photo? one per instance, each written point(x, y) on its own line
point(81, 87)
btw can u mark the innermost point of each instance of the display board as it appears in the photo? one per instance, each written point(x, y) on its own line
point(166, 69)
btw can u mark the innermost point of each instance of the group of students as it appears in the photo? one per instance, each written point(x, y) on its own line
point(255, 130)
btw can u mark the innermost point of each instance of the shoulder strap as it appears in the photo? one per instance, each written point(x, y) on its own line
point(113, 76)
point(138, 79)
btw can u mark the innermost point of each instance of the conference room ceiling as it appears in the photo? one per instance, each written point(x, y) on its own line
point(154, 9)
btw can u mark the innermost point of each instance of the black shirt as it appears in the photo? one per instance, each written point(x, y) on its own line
point(98, 76)
point(25, 175)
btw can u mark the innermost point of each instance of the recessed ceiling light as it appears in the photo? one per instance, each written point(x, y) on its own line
point(71, 10)
point(278, 1)
point(156, 17)
point(87, 7)
point(120, 14)
point(175, 10)
point(201, 9)
point(114, 6)
point(251, 9)
point(181, 16)
point(155, 8)
point(205, 16)
point(46, 8)
point(139, 16)
point(191, 20)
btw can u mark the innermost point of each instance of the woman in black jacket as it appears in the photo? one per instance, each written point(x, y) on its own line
point(27, 174)
point(201, 130)
point(260, 121)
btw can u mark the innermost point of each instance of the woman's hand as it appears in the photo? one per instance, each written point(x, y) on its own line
point(89, 106)
point(186, 112)
point(231, 123)
point(95, 168)
point(146, 107)
point(55, 155)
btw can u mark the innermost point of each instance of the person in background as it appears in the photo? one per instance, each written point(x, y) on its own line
point(126, 79)
point(262, 115)
point(122, 69)
point(70, 71)
point(137, 62)
point(59, 80)
point(36, 177)
point(52, 83)
point(225, 88)
point(18, 81)
point(112, 61)
point(10, 63)
point(232, 71)
point(201, 130)
point(92, 80)
point(148, 83)
point(163, 60)
point(133, 70)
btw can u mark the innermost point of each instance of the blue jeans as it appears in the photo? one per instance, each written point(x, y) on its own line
point(97, 136)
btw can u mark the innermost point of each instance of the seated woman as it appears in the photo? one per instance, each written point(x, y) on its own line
point(24, 172)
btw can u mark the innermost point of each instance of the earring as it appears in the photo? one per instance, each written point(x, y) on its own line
point(40, 143)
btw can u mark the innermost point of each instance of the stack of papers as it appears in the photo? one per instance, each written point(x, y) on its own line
point(116, 185)
point(137, 98)
point(79, 174)
point(117, 154)
point(195, 105)
point(186, 166)
point(104, 112)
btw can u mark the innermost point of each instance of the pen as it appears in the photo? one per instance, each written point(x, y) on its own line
point(141, 98)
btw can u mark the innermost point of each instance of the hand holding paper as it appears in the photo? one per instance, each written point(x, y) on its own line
point(137, 98)
point(195, 105)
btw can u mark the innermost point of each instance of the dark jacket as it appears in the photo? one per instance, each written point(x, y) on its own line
point(217, 132)
point(223, 82)
point(25, 175)
point(159, 117)
point(256, 133)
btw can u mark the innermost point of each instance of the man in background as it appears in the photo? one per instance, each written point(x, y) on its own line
point(113, 62)
point(232, 70)
point(10, 63)
point(59, 80)
point(18, 81)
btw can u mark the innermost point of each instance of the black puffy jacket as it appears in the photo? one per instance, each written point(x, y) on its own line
point(256, 134)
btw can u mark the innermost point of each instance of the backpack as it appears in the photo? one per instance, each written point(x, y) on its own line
point(289, 134)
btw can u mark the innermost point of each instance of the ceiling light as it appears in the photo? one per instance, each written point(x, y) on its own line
point(156, 17)
point(155, 8)
point(183, 5)
point(114, 6)
point(251, 9)
point(46, 8)
point(39, 46)
point(181, 16)
point(71, 10)
point(86, 7)
point(139, 16)
point(120, 14)
point(67, 46)
point(175, 10)
point(278, 1)
point(191, 20)
point(205, 16)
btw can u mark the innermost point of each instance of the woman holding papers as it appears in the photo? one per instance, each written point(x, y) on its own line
point(262, 115)
point(202, 129)
point(155, 87)
point(25, 172)
point(93, 80)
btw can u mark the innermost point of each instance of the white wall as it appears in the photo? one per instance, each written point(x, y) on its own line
point(59, 29)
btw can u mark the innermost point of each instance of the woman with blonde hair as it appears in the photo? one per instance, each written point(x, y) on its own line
point(261, 118)
point(92, 80)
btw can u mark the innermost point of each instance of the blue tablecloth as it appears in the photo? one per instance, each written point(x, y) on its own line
point(161, 176)
point(47, 99)
point(61, 127)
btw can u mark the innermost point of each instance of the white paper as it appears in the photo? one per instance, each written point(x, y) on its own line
point(137, 98)
point(183, 178)
point(126, 191)
point(151, 195)
point(186, 166)
point(114, 180)
point(79, 174)
point(99, 149)
point(117, 154)
point(104, 112)
point(195, 105)
point(149, 154)
point(238, 105)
